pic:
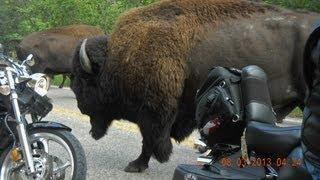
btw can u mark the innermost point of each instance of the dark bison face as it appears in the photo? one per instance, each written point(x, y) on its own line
point(89, 58)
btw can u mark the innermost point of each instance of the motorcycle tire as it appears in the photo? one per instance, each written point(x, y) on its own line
point(49, 79)
point(78, 154)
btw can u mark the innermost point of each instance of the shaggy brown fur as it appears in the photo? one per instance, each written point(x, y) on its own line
point(76, 31)
point(161, 37)
point(151, 70)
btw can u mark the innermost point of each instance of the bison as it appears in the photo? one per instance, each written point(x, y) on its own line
point(53, 48)
point(149, 69)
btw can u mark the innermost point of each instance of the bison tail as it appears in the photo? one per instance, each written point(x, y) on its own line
point(183, 126)
point(162, 150)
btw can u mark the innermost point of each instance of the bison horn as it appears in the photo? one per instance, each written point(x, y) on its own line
point(84, 59)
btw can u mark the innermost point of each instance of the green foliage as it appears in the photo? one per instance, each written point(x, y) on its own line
point(57, 80)
point(313, 5)
point(9, 17)
point(296, 113)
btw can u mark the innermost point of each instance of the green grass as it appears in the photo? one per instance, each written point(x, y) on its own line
point(313, 5)
point(296, 113)
point(58, 79)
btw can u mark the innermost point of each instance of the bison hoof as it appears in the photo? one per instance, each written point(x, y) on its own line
point(97, 134)
point(134, 167)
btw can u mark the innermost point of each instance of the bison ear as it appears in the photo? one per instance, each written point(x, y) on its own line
point(84, 59)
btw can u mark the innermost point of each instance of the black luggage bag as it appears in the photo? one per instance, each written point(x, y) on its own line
point(219, 111)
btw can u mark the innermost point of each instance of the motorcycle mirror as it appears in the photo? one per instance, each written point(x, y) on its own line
point(30, 56)
point(29, 60)
point(1, 48)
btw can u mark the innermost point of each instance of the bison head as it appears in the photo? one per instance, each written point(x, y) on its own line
point(89, 58)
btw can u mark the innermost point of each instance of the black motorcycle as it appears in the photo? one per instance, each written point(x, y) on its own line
point(237, 124)
point(33, 149)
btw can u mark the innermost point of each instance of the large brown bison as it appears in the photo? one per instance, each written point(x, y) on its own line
point(53, 48)
point(150, 68)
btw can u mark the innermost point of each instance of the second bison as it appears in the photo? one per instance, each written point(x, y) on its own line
point(53, 48)
point(150, 68)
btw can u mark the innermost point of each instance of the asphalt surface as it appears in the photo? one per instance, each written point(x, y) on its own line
point(107, 157)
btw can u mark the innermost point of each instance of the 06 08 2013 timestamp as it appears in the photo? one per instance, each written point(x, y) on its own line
point(240, 162)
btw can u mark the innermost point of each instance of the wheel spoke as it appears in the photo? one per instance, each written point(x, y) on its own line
point(45, 143)
point(61, 168)
point(61, 165)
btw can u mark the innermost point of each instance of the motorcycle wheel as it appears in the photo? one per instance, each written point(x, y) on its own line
point(49, 160)
point(48, 82)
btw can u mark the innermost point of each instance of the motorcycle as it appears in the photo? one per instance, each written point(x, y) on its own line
point(31, 148)
point(252, 147)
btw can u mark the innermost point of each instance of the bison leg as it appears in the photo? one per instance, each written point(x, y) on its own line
point(156, 141)
point(98, 126)
point(64, 77)
point(163, 145)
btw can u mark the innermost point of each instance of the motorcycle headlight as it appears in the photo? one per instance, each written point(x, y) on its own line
point(5, 90)
point(39, 84)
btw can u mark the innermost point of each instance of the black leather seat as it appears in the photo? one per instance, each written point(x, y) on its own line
point(270, 141)
point(262, 135)
point(256, 96)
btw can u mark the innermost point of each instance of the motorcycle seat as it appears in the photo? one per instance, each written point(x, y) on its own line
point(270, 141)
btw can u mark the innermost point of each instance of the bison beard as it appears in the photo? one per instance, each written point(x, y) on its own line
point(142, 73)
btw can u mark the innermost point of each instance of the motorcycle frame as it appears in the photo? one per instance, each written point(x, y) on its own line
point(21, 126)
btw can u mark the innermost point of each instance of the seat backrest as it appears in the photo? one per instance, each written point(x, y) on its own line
point(256, 97)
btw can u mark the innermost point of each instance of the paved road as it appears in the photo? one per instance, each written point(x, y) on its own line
point(107, 157)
